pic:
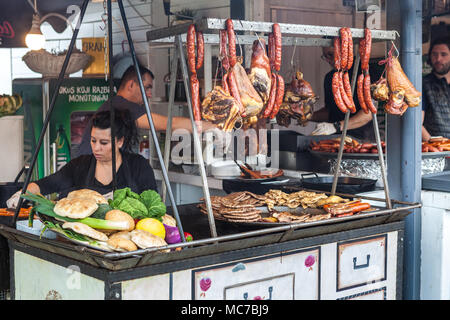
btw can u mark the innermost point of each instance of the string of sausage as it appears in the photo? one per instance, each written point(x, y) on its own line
point(277, 82)
point(229, 60)
point(343, 61)
point(363, 83)
point(195, 61)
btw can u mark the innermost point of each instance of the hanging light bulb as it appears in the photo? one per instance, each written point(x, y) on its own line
point(35, 40)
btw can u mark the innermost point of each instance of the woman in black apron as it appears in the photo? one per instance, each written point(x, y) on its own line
point(94, 171)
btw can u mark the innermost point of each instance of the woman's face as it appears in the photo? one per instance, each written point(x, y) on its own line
point(101, 144)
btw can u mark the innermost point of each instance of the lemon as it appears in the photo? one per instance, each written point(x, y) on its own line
point(152, 226)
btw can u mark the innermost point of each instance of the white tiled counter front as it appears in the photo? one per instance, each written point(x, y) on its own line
point(358, 259)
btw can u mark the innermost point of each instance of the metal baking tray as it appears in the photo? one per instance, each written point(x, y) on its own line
point(296, 211)
point(230, 237)
point(374, 156)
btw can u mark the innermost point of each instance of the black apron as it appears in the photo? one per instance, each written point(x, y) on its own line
point(91, 183)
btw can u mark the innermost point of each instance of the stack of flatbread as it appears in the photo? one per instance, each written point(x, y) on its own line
point(235, 207)
point(293, 200)
point(79, 204)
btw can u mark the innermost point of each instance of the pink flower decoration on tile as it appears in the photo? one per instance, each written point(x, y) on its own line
point(205, 283)
point(309, 261)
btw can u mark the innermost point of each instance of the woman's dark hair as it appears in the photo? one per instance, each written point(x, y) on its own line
point(124, 126)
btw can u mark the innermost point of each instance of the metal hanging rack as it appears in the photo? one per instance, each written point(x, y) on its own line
point(176, 36)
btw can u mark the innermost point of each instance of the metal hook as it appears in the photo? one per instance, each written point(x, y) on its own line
point(293, 53)
point(395, 47)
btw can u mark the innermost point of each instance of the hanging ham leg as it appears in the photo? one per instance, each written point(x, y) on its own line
point(260, 74)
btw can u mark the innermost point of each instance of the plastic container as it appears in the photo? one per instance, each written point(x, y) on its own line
point(22, 225)
point(225, 169)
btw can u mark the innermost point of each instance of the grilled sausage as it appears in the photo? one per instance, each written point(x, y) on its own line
point(337, 53)
point(367, 49)
point(360, 92)
point(348, 91)
point(225, 83)
point(279, 96)
point(344, 48)
point(362, 50)
point(223, 49)
point(350, 49)
point(277, 40)
point(234, 91)
point(272, 95)
point(337, 93)
point(200, 50)
point(190, 46)
point(367, 94)
point(271, 50)
point(231, 42)
point(344, 96)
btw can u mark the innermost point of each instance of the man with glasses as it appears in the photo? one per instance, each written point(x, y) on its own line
point(331, 119)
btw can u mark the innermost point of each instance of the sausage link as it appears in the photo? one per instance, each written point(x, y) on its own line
point(350, 49)
point(190, 46)
point(271, 50)
point(234, 91)
point(225, 83)
point(231, 42)
point(344, 96)
point(367, 49)
point(223, 49)
point(337, 53)
point(195, 98)
point(362, 50)
point(360, 92)
point(360, 207)
point(344, 48)
point(367, 95)
point(279, 96)
point(277, 40)
point(348, 91)
point(200, 50)
point(337, 93)
point(272, 96)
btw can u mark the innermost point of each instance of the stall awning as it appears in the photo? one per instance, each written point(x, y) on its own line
point(16, 16)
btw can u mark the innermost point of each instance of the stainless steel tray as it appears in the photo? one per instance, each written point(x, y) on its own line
point(374, 156)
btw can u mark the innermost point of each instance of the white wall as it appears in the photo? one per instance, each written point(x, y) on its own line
point(5, 79)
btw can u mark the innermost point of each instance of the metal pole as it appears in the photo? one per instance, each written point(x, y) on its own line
point(344, 129)
point(173, 82)
point(381, 160)
point(150, 119)
point(411, 138)
point(111, 91)
point(50, 110)
point(341, 151)
point(197, 144)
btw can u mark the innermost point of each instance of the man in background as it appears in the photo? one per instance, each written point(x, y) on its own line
point(436, 91)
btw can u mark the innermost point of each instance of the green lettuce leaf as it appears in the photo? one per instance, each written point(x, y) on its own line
point(152, 200)
point(134, 208)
